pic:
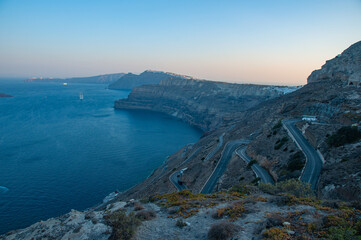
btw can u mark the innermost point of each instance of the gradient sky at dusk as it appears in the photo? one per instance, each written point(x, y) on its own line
point(273, 42)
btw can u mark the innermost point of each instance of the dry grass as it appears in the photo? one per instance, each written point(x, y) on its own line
point(189, 204)
point(138, 206)
point(145, 215)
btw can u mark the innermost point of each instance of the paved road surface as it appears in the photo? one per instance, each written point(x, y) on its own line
point(222, 164)
point(313, 167)
point(174, 179)
point(219, 145)
point(257, 169)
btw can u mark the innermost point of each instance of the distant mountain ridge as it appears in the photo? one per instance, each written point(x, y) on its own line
point(104, 79)
point(130, 80)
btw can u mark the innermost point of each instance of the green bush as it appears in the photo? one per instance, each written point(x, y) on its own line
point(291, 186)
point(249, 165)
point(278, 125)
point(342, 233)
point(180, 223)
point(239, 188)
point(280, 142)
point(222, 231)
point(344, 136)
point(124, 226)
point(296, 161)
point(146, 215)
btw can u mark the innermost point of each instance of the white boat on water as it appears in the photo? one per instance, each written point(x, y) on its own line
point(65, 83)
point(81, 96)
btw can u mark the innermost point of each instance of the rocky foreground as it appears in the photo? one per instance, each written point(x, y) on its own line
point(288, 211)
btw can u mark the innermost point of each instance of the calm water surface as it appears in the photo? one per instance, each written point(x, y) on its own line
point(58, 152)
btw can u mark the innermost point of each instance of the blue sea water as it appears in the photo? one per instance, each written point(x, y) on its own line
point(58, 152)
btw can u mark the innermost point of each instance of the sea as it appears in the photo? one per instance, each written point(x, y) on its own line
point(59, 152)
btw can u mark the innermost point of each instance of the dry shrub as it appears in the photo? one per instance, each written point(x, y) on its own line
point(222, 231)
point(233, 211)
point(138, 206)
point(124, 226)
point(146, 215)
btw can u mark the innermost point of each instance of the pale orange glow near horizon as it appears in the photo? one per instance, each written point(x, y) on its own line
point(265, 42)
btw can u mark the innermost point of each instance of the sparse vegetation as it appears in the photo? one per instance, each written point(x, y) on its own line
point(256, 180)
point(280, 142)
point(189, 204)
point(249, 165)
point(146, 215)
point(233, 211)
point(291, 186)
point(276, 233)
point(239, 188)
point(180, 223)
point(278, 125)
point(296, 161)
point(344, 135)
point(222, 231)
point(138, 206)
point(124, 226)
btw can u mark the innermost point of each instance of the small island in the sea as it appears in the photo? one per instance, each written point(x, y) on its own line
point(4, 95)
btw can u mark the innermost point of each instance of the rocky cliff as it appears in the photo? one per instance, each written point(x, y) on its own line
point(205, 104)
point(104, 79)
point(333, 101)
point(345, 67)
point(131, 80)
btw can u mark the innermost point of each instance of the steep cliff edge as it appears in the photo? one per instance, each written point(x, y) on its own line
point(335, 103)
point(345, 67)
point(205, 104)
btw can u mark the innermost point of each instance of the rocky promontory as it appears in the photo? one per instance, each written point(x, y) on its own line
point(202, 103)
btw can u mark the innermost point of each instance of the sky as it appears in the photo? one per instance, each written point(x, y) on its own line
point(254, 41)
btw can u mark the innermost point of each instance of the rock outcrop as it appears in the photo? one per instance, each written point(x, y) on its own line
point(345, 67)
point(204, 104)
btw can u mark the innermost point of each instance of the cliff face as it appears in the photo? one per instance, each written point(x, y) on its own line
point(333, 101)
point(107, 78)
point(201, 103)
point(345, 67)
point(130, 80)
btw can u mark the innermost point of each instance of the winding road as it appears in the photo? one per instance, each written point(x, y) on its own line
point(174, 179)
point(257, 169)
point(219, 145)
point(312, 170)
point(222, 164)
